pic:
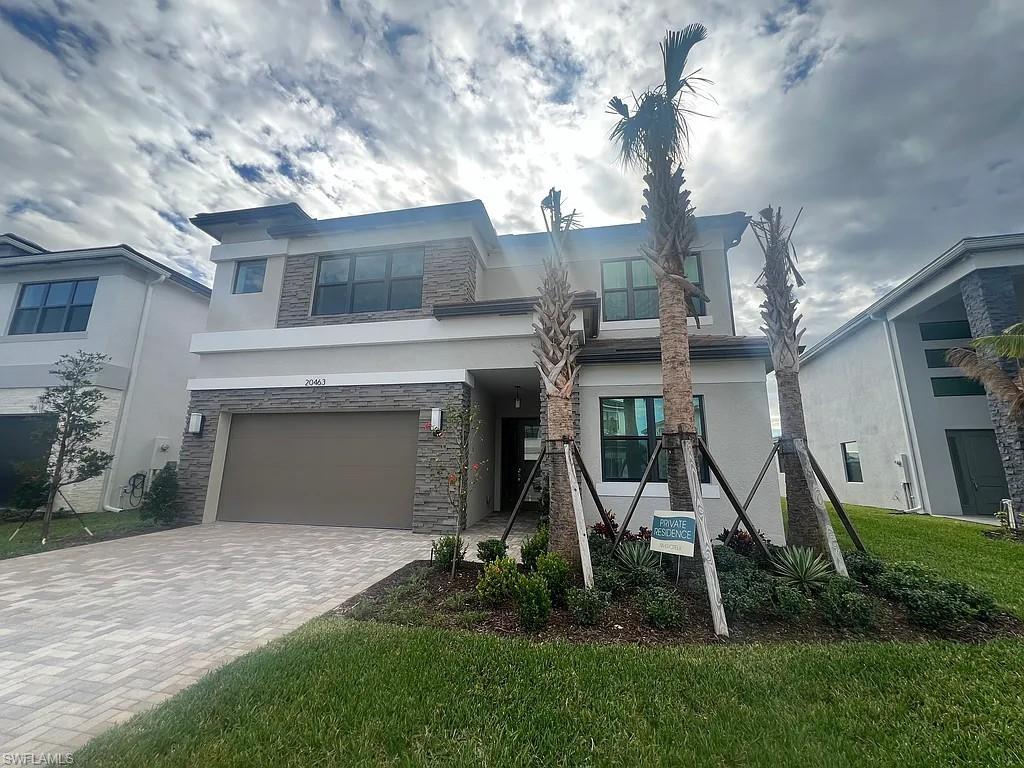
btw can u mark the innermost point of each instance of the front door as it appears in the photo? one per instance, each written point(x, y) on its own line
point(521, 443)
point(979, 470)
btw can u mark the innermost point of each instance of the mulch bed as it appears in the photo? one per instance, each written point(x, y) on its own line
point(447, 603)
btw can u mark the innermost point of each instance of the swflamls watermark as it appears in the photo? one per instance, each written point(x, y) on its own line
point(42, 758)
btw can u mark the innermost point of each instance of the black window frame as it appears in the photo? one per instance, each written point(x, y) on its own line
point(936, 358)
point(387, 280)
point(651, 439)
point(238, 271)
point(630, 289)
point(847, 462)
point(945, 330)
point(75, 282)
point(971, 388)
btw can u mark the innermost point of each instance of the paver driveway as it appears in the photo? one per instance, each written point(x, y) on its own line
point(91, 635)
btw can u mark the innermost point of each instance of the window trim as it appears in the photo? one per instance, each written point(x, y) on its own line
point(652, 439)
point(846, 461)
point(75, 281)
point(388, 280)
point(629, 289)
point(238, 271)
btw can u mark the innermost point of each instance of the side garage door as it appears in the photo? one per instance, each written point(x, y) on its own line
point(320, 469)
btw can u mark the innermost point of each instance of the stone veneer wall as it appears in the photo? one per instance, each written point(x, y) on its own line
point(991, 303)
point(449, 276)
point(431, 510)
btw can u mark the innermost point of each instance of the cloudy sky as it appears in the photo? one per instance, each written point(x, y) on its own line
point(896, 124)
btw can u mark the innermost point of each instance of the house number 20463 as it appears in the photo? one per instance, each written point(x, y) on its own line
point(318, 381)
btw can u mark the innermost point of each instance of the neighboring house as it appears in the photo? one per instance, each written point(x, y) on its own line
point(329, 343)
point(891, 424)
point(114, 300)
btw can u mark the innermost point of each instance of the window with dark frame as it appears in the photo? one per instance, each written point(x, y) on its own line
point(249, 276)
point(630, 429)
point(936, 358)
point(629, 290)
point(369, 282)
point(955, 386)
point(851, 462)
point(945, 330)
point(62, 306)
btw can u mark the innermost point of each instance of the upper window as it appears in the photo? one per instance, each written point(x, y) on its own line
point(57, 307)
point(629, 290)
point(630, 429)
point(936, 358)
point(945, 329)
point(249, 276)
point(955, 386)
point(370, 282)
point(851, 461)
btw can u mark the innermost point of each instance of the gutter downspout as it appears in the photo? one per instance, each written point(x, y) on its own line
point(908, 432)
point(129, 394)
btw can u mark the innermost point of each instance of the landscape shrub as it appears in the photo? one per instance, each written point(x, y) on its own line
point(863, 566)
point(500, 582)
point(639, 565)
point(935, 609)
point(534, 602)
point(162, 502)
point(742, 542)
point(980, 603)
point(802, 568)
point(490, 550)
point(600, 549)
point(900, 579)
point(552, 567)
point(587, 605)
point(612, 580)
point(933, 602)
point(447, 547)
point(728, 559)
point(662, 608)
point(747, 593)
point(843, 605)
point(533, 547)
point(790, 603)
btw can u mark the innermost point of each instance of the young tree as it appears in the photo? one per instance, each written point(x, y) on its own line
point(995, 363)
point(653, 138)
point(74, 402)
point(782, 327)
point(555, 347)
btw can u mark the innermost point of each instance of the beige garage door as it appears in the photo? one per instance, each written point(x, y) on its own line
point(320, 469)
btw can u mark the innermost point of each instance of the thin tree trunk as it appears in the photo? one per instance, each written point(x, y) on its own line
point(803, 529)
point(561, 518)
point(51, 496)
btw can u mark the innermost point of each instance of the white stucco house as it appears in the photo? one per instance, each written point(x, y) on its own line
point(329, 342)
point(890, 422)
point(116, 301)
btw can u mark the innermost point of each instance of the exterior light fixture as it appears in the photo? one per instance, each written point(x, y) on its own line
point(436, 420)
point(517, 403)
point(195, 423)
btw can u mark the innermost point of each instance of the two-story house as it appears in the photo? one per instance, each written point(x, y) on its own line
point(892, 424)
point(330, 342)
point(116, 301)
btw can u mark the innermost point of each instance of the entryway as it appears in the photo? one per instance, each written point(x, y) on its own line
point(521, 446)
point(978, 469)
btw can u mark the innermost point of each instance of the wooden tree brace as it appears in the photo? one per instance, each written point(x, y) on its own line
point(836, 503)
point(590, 483)
point(636, 496)
point(741, 510)
point(581, 524)
point(704, 542)
point(753, 490)
point(824, 523)
point(522, 493)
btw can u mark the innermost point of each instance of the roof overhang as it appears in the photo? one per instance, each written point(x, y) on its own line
point(648, 350)
point(588, 302)
point(220, 223)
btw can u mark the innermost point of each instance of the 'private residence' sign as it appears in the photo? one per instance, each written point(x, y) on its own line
point(674, 533)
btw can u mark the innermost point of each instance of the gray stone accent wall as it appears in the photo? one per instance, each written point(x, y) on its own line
point(431, 510)
point(449, 276)
point(991, 304)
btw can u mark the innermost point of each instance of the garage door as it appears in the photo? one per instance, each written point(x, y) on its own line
point(320, 469)
point(24, 440)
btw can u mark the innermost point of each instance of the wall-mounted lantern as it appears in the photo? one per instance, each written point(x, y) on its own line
point(195, 424)
point(436, 420)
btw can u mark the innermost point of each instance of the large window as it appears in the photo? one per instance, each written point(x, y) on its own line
point(851, 462)
point(945, 330)
point(371, 282)
point(57, 307)
point(630, 292)
point(249, 276)
point(630, 429)
point(955, 386)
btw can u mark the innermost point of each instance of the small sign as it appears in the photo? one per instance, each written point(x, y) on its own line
point(674, 533)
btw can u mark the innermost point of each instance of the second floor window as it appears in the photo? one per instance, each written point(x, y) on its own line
point(249, 276)
point(57, 307)
point(372, 282)
point(629, 290)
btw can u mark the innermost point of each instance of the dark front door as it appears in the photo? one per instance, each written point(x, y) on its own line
point(521, 442)
point(24, 441)
point(979, 470)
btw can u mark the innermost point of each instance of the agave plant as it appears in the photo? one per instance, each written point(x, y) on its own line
point(636, 556)
point(802, 568)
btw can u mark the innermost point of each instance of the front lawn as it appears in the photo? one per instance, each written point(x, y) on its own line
point(337, 692)
point(67, 532)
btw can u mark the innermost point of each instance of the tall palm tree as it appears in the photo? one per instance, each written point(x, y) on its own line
point(653, 138)
point(782, 327)
point(998, 367)
point(556, 350)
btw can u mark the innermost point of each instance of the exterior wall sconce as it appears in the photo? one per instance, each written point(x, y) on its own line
point(436, 420)
point(195, 424)
point(517, 403)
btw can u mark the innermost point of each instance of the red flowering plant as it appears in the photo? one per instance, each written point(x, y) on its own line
point(602, 529)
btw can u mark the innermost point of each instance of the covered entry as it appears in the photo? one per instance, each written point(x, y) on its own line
point(320, 468)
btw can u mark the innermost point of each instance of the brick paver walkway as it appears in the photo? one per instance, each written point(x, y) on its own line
point(91, 635)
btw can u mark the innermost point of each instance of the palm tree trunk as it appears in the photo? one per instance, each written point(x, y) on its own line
point(803, 529)
point(562, 536)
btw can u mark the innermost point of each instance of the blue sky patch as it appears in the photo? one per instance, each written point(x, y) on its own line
point(248, 171)
point(55, 35)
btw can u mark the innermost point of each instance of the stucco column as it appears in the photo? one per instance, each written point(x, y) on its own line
point(991, 303)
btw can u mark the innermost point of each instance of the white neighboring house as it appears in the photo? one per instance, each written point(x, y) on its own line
point(113, 300)
point(891, 424)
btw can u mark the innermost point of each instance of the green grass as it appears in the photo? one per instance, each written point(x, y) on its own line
point(955, 549)
point(338, 692)
point(66, 532)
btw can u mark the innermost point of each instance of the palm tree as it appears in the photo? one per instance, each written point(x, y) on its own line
point(997, 367)
point(782, 327)
point(556, 351)
point(653, 138)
